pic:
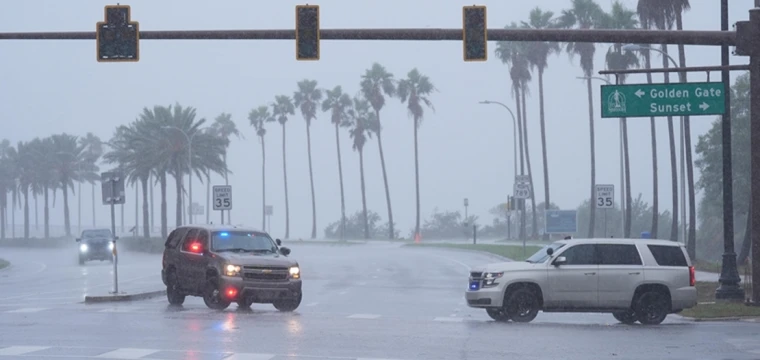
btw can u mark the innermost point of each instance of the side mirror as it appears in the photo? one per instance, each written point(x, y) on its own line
point(549, 251)
point(279, 242)
point(284, 251)
point(560, 261)
point(77, 239)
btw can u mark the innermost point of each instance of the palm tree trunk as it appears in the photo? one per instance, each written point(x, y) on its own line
point(520, 202)
point(285, 180)
point(627, 165)
point(93, 206)
point(178, 186)
point(26, 212)
point(592, 141)
point(655, 186)
point(121, 213)
point(145, 213)
point(67, 223)
point(13, 212)
point(673, 165)
point(164, 220)
point(392, 232)
point(311, 183)
point(46, 214)
point(263, 186)
point(747, 242)
point(79, 207)
point(534, 222)
point(208, 196)
point(417, 176)
point(36, 212)
point(152, 208)
point(340, 177)
point(364, 194)
point(3, 206)
point(227, 182)
point(691, 243)
point(543, 143)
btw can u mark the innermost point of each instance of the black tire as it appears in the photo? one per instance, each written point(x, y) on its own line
point(213, 297)
point(498, 314)
point(522, 305)
point(288, 305)
point(173, 294)
point(245, 303)
point(627, 317)
point(652, 307)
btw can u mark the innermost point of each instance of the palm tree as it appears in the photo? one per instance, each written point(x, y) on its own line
point(7, 182)
point(514, 54)
point(307, 98)
point(72, 162)
point(44, 175)
point(94, 151)
point(223, 126)
point(281, 109)
point(339, 105)
point(363, 124)
point(414, 91)
point(127, 151)
point(622, 18)
point(538, 57)
point(376, 84)
point(258, 117)
point(25, 171)
point(585, 14)
point(11, 157)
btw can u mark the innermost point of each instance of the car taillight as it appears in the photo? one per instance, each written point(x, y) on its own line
point(692, 276)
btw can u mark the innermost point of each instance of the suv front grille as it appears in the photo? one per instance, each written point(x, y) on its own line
point(265, 273)
point(476, 275)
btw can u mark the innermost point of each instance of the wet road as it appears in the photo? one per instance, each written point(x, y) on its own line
point(370, 302)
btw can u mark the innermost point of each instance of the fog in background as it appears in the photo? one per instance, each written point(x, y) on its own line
point(49, 87)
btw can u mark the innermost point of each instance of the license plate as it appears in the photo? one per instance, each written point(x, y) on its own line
point(474, 285)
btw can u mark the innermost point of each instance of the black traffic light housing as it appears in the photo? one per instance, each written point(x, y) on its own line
point(117, 38)
point(475, 33)
point(307, 32)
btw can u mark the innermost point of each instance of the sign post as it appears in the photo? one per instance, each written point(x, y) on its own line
point(605, 199)
point(678, 99)
point(268, 211)
point(222, 198)
point(112, 188)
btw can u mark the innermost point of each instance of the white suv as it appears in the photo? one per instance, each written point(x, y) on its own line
point(634, 279)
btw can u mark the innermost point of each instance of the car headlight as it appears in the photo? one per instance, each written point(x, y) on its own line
point(489, 279)
point(232, 270)
point(110, 245)
point(83, 248)
point(295, 272)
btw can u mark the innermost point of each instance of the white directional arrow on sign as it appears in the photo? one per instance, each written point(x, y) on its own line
point(639, 93)
point(704, 106)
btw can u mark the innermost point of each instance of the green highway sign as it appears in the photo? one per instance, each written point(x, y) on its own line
point(645, 100)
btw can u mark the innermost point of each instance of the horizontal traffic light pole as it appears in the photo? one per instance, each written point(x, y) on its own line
point(679, 69)
point(713, 38)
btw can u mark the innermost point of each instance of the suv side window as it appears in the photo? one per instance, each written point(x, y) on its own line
point(618, 254)
point(584, 254)
point(668, 255)
point(174, 238)
point(189, 237)
point(203, 238)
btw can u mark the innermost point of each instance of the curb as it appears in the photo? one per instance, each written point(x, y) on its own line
point(726, 319)
point(125, 297)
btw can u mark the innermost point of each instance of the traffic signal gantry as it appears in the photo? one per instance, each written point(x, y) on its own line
point(118, 38)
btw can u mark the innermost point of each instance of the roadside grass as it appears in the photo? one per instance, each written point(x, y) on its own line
point(514, 252)
point(4, 264)
point(709, 308)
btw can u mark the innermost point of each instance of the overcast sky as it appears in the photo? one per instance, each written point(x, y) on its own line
point(51, 87)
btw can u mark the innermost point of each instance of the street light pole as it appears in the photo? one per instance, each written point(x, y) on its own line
point(514, 127)
point(189, 168)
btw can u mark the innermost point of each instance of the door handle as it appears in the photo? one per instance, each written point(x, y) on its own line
point(634, 273)
point(591, 273)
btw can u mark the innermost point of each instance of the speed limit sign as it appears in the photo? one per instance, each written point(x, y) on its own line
point(605, 196)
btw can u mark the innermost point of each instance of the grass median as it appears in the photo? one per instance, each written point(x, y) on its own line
point(514, 252)
point(4, 264)
point(709, 308)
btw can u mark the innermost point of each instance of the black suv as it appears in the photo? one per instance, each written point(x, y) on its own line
point(96, 244)
point(225, 264)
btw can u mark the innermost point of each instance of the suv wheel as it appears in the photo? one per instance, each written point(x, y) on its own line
point(173, 294)
point(289, 304)
point(498, 314)
point(652, 307)
point(213, 297)
point(522, 305)
point(627, 317)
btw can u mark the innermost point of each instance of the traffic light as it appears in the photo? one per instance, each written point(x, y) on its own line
point(475, 33)
point(511, 203)
point(307, 32)
point(117, 38)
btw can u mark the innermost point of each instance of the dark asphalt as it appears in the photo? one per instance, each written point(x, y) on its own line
point(370, 302)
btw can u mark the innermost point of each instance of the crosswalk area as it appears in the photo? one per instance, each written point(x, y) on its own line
point(44, 352)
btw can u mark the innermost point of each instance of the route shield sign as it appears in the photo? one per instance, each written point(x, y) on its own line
point(605, 196)
point(645, 100)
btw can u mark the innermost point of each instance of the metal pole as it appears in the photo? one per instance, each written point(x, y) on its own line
point(514, 129)
point(605, 222)
point(474, 234)
point(113, 233)
point(729, 281)
point(755, 136)
point(190, 178)
point(222, 212)
point(79, 208)
point(683, 181)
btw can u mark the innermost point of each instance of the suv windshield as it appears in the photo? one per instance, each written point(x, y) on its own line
point(91, 234)
point(242, 241)
point(541, 256)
